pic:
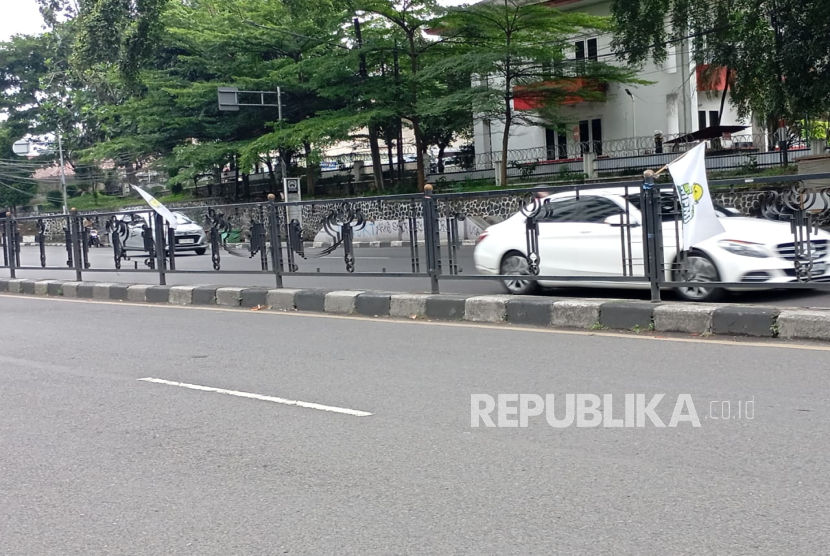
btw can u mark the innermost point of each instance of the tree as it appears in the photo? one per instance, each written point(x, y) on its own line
point(775, 51)
point(116, 32)
point(515, 48)
point(444, 123)
point(412, 18)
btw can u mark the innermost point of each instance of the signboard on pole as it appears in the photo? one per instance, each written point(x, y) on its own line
point(293, 194)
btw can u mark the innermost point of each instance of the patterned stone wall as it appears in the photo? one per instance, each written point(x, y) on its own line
point(489, 210)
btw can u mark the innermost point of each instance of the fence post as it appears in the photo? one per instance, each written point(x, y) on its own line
point(161, 261)
point(274, 238)
point(75, 227)
point(589, 165)
point(432, 237)
point(9, 244)
point(652, 233)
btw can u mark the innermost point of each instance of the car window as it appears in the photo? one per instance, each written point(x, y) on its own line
point(667, 208)
point(563, 210)
point(597, 209)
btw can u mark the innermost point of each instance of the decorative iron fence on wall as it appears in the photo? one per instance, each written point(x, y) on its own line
point(643, 247)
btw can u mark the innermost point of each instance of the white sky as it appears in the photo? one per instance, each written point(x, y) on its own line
point(23, 17)
point(19, 17)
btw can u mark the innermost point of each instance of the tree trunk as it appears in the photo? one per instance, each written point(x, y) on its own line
point(272, 177)
point(246, 185)
point(508, 113)
point(504, 144)
point(377, 164)
point(419, 154)
point(416, 121)
point(309, 170)
point(441, 149)
point(235, 181)
point(391, 163)
point(401, 167)
point(723, 96)
point(217, 180)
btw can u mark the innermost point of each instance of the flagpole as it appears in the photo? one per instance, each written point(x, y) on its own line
point(666, 167)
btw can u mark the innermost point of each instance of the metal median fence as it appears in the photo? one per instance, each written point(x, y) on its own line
point(641, 238)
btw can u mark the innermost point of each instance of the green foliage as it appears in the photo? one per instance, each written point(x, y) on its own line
point(71, 190)
point(521, 48)
point(55, 198)
point(777, 50)
point(176, 189)
point(16, 186)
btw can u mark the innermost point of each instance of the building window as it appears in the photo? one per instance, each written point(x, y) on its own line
point(589, 46)
point(590, 136)
point(701, 118)
point(556, 144)
point(596, 136)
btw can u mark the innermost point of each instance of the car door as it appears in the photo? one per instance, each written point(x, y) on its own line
point(135, 239)
point(559, 232)
point(600, 244)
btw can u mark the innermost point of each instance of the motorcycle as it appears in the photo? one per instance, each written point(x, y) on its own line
point(94, 240)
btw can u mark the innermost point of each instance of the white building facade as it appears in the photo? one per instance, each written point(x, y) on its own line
point(673, 103)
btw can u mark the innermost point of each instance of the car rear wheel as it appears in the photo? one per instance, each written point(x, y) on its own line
point(697, 267)
point(516, 264)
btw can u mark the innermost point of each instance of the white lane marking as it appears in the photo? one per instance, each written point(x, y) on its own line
point(283, 401)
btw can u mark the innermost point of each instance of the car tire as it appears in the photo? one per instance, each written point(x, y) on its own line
point(200, 251)
point(516, 263)
point(697, 267)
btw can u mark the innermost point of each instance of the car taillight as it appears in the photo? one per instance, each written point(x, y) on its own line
point(482, 237)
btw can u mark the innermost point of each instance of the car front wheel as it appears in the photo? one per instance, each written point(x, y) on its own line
point(697, 267)
point(200, 251)
point(516, 264)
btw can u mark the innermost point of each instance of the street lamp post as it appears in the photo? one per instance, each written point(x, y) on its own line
point(633, 113)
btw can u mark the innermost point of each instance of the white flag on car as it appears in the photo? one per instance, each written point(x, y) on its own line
point(700, 222)
point(158, 207)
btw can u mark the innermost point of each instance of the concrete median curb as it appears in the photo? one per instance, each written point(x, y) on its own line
point(637, 316)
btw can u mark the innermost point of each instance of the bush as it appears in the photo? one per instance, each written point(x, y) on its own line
point(71, 190)
point(176, 188)
point(55, 198)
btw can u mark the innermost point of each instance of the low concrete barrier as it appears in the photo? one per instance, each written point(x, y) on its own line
point(638, 316)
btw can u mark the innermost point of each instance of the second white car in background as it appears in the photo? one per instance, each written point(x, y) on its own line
point(190, 236)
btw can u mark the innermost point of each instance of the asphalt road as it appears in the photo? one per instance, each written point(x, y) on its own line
point(367, 260)
point(94, 461)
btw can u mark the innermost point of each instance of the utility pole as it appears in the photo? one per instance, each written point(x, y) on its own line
point(63, 173)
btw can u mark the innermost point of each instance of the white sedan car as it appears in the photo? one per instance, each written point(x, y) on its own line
point(583, 238)
point(189, 235)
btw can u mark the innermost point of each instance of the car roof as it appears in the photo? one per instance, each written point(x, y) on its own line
point(594, 192)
